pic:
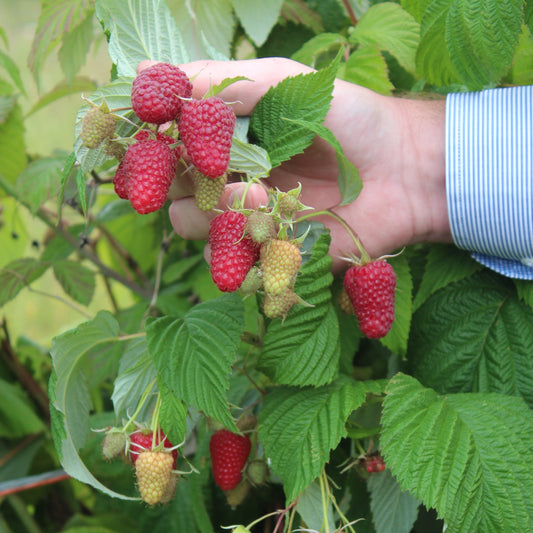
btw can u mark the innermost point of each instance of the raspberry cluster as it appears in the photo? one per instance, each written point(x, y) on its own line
point(251, 251)
point(374, 463)
point(198, 131)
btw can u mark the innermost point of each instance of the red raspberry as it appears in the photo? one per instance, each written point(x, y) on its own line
point(371, 290)
point(142, 441)
point(232, 255)
point(157, 93)
point(206, 128)
point(150, 166)
point(143, 135)
point(120, 181)
point(229, 453)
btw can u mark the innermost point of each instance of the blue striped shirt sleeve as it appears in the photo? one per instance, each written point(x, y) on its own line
point(489, 177)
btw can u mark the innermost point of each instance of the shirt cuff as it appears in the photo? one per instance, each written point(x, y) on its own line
point(489, 177)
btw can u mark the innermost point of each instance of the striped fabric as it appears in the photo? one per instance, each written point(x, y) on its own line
point(489, 177)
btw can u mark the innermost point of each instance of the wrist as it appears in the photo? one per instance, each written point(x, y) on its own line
point(423, 167)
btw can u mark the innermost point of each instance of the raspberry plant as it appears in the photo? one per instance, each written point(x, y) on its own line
point(427, 427)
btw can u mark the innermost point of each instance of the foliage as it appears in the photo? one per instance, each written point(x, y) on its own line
point(446, 397)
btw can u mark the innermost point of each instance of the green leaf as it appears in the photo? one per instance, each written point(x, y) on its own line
point(7, 104)
point(393, 510)
point(299, 427)
point(18, 274)
point(69, 395)
point(12, 69)
point(172, 415)
point(524, 290)
point(302, 97)
point(207, 27)
point(481, 36)
point(348, 180)
point(469, 456)
point(415, 7)
point(226, 82)
point(75, 47)
point(39, 181)
point(82, 190)
point(433, 60)
point(63, 88)
point(396, 339)
point(445, 264)
point(136, 376)
point(249, 159)
point(367, 67)
point(17, 417)
point(320, 44)
point(298, 12)
point(522, 65)
point(392, 29)
point(76, 280)
point(194, 355)
point(65, 172)
point(304, 348)
point(257, 17)
point(139, 30)
point(475, 335)
point(13, 157)
point(56, 19)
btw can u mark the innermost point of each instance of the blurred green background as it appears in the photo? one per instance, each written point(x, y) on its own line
point(34, 315)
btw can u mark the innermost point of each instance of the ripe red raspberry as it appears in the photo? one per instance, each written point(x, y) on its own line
point(206, 128)
point(157, 91)
point(143, 135)
point(371, 290)
point(150, 166)
point(232, 254)
point(120, 181)
point(142, 441)
point(229, 453)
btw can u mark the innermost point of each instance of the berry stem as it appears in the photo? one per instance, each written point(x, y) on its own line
point(154, 426)
point(140, 405)
point(365, 258)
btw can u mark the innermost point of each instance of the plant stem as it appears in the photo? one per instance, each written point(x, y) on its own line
point(350, 11)
point(365, 258)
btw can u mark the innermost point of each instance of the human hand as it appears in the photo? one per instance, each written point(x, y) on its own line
point(397, 145)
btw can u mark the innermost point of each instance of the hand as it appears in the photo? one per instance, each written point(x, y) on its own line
point(397, 145)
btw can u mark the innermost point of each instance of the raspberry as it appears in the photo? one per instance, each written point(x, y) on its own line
point(371, 290)
point(120, 181)
point(280, 261)
point(257, 472)
point(206, 128)
point(154, 476)
point(157, 92)
point(260, 227)
point(229, 453)
point(232, 255)
point(97, 125)
point(142, 441)
point(252, 282)
point(150, 167)
point(114, 444)
point(345, 303)
point(279, 305)
point(143, 135)
point(236, 496)
point(207, 191)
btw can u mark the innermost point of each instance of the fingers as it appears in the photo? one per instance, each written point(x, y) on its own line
point(192, 223)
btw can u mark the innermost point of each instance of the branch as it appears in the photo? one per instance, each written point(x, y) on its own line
point(85, 252)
